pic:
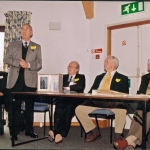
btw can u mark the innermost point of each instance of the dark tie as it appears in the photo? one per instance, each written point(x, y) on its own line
point(70, 79)
point(25, 45)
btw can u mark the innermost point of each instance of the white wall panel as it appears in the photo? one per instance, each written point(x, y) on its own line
point(124, 46)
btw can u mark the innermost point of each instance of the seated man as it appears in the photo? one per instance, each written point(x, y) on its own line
point(111, 80)
point(4, 97)
point(65, 107)
point(135, 133)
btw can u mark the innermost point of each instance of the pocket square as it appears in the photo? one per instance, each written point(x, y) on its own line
point(1, 77)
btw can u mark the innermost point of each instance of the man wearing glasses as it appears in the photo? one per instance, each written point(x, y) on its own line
point(65, 107)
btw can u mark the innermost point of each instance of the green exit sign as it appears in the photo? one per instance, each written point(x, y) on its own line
point(131, 8)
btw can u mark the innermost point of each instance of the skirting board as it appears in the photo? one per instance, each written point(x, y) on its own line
point(102, 123)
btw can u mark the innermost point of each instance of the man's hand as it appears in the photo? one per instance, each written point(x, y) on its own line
point(1, 94)
point(65, 88)
point(23, 63)
point(72, 83)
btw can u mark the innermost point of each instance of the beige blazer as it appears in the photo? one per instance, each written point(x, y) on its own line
point(12, 58)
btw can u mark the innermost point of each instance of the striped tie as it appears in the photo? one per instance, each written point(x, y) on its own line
point(70, 79)
point(25, 45)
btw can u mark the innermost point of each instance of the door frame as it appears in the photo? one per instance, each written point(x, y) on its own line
point(119, 26)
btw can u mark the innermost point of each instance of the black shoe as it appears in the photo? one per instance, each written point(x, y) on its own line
point(1, 131)
point(31, 134)
point(15, 137)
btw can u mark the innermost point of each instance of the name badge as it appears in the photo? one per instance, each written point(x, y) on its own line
point(1, 77)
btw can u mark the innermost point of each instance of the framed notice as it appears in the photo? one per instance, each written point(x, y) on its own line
point(50, 82)
point(43, 82)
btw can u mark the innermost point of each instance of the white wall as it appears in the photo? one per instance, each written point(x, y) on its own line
point(77, 35)
point(59, 47)
point(106, 14)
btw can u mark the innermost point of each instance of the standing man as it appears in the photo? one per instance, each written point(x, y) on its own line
point(65, 107)
point(135, 133)
point(111, 80)
point(25, 60)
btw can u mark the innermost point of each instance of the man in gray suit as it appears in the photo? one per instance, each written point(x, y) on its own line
point(24, 59)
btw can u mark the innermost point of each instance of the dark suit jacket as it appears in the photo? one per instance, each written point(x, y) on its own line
point(116, 85)
point(79, 80)
point(121, 86)
point(3, 81)
point(7, 95)
point(144, 84)
point(142, 90)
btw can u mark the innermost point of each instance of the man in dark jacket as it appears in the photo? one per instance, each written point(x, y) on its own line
point(135, 133)
point(111, 80)
point(65, 107)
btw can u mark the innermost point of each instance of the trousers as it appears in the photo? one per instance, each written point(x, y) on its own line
point(83, 111)
point(64, 112)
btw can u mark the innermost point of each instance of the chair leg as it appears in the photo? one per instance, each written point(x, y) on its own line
point(111, 130)
point(85, 135)
point(3, 117)
point(49, 119)
point(97, 123)
point(84, 132)
point(44, 121)
point(147, 135)
point(81, 131)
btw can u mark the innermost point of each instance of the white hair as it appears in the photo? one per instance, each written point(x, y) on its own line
point(78, 66)
point(115, 59)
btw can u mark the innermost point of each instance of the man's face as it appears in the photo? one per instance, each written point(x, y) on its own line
point(72, 68)
point(148, 66)
point(26, 32)
point(109, 64)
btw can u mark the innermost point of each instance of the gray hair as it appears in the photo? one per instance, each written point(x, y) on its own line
point(149, 60)
point(115, 59)
point(78, 66)
point(26, 24)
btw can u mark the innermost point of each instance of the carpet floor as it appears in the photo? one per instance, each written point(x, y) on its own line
point(72, 142)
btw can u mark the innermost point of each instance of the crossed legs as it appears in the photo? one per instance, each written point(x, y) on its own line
point(83, 111)
point(135, 133)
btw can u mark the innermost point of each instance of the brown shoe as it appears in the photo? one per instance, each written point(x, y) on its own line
point(51, 136)
point(59, 140)
point(93, 136)
point(121, 144)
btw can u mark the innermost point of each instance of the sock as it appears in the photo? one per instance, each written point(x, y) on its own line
point(117, 136)
point(95, 130)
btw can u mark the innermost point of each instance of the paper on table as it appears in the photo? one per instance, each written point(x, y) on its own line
point(108, 93)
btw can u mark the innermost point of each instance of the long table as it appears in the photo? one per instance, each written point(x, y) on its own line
point(126, 98)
